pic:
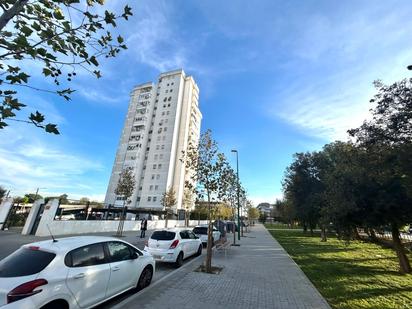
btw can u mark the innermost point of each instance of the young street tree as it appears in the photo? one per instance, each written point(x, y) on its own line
point(58, 37)
point(204, 158)
point(168, 201)
point(124, 189)
point(188, 200)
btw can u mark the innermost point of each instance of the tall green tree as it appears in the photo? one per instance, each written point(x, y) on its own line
point(59, 37)
point(387, 140)
point(2, 193)
point(302, 189)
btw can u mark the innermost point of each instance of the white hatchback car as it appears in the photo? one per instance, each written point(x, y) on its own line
point(201, 232)
point(73, 272)
point(173, 245)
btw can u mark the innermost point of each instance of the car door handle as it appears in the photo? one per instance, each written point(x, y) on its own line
point(79, 276)
point(116, 268)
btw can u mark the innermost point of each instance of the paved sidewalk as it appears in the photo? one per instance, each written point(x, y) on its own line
point(258, 274)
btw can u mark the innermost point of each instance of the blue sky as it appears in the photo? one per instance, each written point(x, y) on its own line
point(275, 78)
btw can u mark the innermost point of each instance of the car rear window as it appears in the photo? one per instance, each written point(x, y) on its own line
point(200, 230)
point(163, 235)
point(25, 262)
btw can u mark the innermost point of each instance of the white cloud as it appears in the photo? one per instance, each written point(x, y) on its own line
point(28, 162)
point(152, 39)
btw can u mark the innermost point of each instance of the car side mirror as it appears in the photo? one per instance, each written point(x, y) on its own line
point(134, 255)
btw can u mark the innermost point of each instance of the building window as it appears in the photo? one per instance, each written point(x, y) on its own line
point(159, 166)
point(157, 147)
point(173, 84)
point(154, 198)
point(171, 90)
point(156, 187)
point(166, 120)
point(163, 147)
point(151, 187)
point(163, 113)
point(165, 129)
point(156, 156)
point(158, 176)
point(138, 199)
point(153, 176)
point(140, 188)
point(158, 138)
point(154, 166)
point(161, 156)
point(170, 98)
point(164, 100)
point(167, 91)
point(164, 137)
point(167, 113)
point(168, 105)
point(149, 198)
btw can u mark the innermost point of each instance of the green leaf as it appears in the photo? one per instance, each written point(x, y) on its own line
point(94, 60)
point(58, 14)
point(26, 30)
point(37, 118)
point(36, 26)
point(51, 128)
point(120, 40)
point(47, 72)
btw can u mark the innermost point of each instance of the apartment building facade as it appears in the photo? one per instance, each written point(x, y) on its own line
point(161, 121)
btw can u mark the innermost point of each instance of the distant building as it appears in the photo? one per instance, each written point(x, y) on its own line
point(161, 121)
point(271, 210)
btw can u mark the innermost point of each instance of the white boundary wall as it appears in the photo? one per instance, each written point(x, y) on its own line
point(59, 227)
point(5, 207)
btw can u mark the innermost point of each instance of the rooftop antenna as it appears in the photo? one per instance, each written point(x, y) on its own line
point(54, 240)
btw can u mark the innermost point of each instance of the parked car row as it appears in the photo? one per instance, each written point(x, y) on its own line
point(84, 271)
point(73, 272)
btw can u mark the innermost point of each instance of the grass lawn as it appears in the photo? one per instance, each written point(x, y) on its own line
point(360, 275)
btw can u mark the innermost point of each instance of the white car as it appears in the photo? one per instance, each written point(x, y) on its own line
point(73, 272)
point(173, 245)
point(201, 232)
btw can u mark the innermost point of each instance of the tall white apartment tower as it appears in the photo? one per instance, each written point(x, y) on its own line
point(161, 121)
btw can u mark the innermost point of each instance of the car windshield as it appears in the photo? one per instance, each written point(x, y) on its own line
point(200, 230)
point(163, 235)
point(25, 262)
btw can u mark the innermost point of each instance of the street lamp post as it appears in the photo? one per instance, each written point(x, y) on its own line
point(238, 193)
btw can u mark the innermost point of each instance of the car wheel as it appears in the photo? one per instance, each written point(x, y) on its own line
point(199, 251)
point(179, 260)
point(145, 278)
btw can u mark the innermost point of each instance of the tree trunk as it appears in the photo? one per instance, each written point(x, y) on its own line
point(121, 221)
point(372, 235)
point(305, 228)
point(323, 234)
point(209, 239)
point(356, 234)
point(10, 13)
point(405, 267)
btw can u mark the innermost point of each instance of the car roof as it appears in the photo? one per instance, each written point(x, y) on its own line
point(69, 243)
point(173, 229)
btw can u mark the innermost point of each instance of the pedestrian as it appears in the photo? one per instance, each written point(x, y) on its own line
point(143, 228)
